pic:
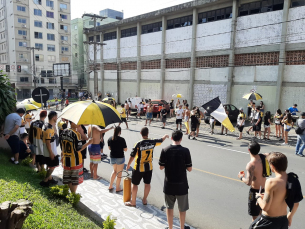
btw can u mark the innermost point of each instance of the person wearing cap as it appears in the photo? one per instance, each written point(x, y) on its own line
point(301, 137)
point(11, 129)
point(35, 138)
point(241, 122)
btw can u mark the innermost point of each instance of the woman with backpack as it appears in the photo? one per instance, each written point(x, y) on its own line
point(288, 123)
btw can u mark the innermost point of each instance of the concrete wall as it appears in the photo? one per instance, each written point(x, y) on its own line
point(178, 40)
point(127, 90)
point(151, 74)
point(177, 74)
point(177, 88)
point(209, 38)
point(294, 73)
point(296, 28)
point(110, 74)
point(110, 49)
point(129, 46)
point(151, 44)
point(150, 90)
point(129, 75)
point(91, 52)
point(212, 74)
point(255, 73)
point(292, 95)
point(246, 35)
point(203, 93)
point(268, 93)
point(110, 87)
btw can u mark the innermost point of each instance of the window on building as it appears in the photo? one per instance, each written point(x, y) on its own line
point(22, 20)
point(64, 38)
point(38, 57)
point(22, 32)
point(109, 36)
point(180, 22)
point(24, 79)
point(38, 35)
point(63, 16)
point(37, 2)
point(296, 3)
point(150, 28)
point(64, 27)
point(50, 14)
point(215, 15)
point(98, 38)
point(129, 32)
point(37, 12)
point(39, 46)
point(42, 80)
point(38, 24)
point(50, 25)
point(261, 7)
point(64, 49)
point(91, 39)
point(51, 58)
point(51, 48)
point(21, 8)
point(22, 44)
point(52, 81)
point(91, 22)
point(50, 3)
point(75, 54)
point(23, 56)
point(51, 37)
point(63, 6)
point(98, 24)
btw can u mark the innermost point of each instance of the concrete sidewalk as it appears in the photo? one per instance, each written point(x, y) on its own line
point(96, 197)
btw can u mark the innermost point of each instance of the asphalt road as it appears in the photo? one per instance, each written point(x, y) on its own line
point(218, 199)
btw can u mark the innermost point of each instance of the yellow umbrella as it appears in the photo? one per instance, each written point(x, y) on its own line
point(108, 99)
point(91, 112)
point(253, 96)
point(27, 107)
point(30, 101)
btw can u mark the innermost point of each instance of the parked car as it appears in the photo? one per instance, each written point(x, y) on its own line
point(134, 102)
point(233, 114)
point(155, 104)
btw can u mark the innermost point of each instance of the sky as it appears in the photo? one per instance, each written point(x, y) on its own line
point(131, 8)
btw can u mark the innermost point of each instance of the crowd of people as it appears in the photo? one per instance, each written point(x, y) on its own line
point(268, 199)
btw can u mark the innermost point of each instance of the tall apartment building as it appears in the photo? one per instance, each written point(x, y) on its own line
point(112, 14)
point(204, 49)
point(79, 51)
point(42, 24)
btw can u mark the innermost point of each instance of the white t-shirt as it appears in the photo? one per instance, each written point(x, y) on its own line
point(179, 113)
point(139, 107)
point(212, 120)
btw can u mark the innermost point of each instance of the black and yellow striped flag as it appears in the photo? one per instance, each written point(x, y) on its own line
point(216, 109)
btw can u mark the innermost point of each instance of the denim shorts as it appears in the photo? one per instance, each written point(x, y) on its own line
point(117, 161)
point(149, 116)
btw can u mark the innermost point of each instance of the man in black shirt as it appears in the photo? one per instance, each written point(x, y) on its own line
point(176, 160)
point(163, 114)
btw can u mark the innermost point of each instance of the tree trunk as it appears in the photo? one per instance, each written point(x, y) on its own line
point(13, 214)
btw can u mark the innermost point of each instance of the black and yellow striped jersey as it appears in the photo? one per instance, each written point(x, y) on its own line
point(35, 136)
point(48, 134)
point(71, 142)
point(143, 153)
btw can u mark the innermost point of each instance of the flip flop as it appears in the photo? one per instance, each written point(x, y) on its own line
point(145, 203)
point(128, 204)
point(119, 191)
point(98, 178)
point(110, 189)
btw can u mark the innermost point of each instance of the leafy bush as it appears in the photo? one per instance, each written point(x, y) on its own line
point(7, 97)
point(73, 198)
point(109, 223)
point(62, 191)
point(42, 174)
point(27, 161)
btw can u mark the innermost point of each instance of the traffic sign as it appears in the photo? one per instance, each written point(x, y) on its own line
point(40, 95)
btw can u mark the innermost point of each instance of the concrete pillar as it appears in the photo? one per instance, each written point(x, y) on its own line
point(118, 33)
point(193, 57)
point(139, 31)
point(282, 59)
point(102, 65)
point(162, 73)
point(88, 66)
point(232, 51)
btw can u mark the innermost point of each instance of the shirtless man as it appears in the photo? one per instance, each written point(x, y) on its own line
point(95, 149)
point(274, 201)
point(254, 178)
point(149, 113)
point(126, 108)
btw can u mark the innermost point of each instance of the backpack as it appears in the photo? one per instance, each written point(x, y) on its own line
point(266, 167)
point(299, 130)
point(294, 190)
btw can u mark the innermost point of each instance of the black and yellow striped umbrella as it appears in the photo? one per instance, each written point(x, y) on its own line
point(253, 96)
point(27, 107)
point(91, 113)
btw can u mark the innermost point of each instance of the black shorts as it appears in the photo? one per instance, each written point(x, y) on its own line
point(253, 209)
point(266, 222)
point(40, 159)
point(240, 128)
point(13, 142)
point(52, 163)
point(164, 120)
point(193, 126)
point(84, 152)
point(137, 177)
point(102, 144)
point(257, 127)
point(123, 119)
point(178, 121)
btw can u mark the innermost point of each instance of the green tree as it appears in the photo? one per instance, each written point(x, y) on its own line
point(7, 98)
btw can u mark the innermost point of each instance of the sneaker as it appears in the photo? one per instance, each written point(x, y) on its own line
point(284, 144)
point(16, 162)
point(44, 184)
point(301, 155)
point(162, 127)
point(247, 132)
point(53, 181)
point(187, 227)
point(194, 138)
point(268, 139)
point(264, 138)
point(85, 170)
point(226, 134)
point(281, 140)
point(189, 137)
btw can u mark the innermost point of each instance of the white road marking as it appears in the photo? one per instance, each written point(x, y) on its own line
point(228, 149)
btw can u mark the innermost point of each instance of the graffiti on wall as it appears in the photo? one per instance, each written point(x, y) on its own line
point(203, 93)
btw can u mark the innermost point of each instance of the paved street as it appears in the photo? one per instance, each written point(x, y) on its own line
point(217, 198)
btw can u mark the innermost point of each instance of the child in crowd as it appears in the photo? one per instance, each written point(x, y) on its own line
point(123, 115)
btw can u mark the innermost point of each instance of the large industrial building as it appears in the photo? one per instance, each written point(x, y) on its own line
point(207, 48)
point(41, 24)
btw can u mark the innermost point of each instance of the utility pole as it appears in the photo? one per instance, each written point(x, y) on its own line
point(95, 43)
point(34, 69)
